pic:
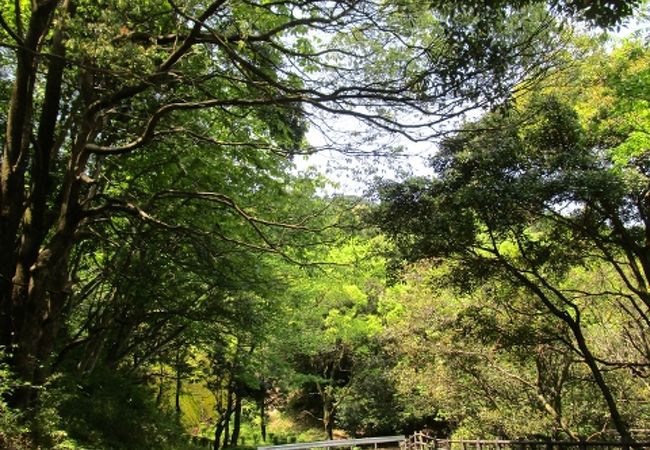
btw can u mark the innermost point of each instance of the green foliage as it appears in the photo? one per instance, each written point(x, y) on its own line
point(113, 410)
point(13, 435)
point(327, 328)
point(42, 429)
point(151, 222)
point(284, 428)
point(491, 363)
point(371, 406)
point(547, 198)
point(604, 13)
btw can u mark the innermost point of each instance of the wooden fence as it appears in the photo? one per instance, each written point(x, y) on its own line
point(421, 441)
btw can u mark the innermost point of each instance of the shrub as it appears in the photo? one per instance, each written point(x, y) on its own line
point(12, 434)
point(112, 409)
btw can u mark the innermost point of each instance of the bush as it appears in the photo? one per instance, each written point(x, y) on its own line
point(113, 410)
point(12, 434)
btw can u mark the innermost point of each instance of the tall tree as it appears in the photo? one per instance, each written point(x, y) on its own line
point(327, 328)
point(491, 362)
point(526, 195)
point(94, 84)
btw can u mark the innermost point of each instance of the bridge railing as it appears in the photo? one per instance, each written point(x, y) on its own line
point(339, 443)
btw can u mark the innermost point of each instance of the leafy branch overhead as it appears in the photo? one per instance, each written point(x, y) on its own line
point(149, 202)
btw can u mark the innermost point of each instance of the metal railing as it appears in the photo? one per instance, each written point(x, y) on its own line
point(339, 443)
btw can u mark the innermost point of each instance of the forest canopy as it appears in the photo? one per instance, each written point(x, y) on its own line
point(155, 236)
point(552, 203)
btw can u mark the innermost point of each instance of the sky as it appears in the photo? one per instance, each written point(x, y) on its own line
point(353, 175)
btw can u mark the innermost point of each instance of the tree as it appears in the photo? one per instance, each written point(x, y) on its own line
point(491, 363)
point(529, 195)
point(94, 85)
point(327, 329)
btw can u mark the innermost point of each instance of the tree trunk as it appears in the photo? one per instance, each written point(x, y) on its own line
point(620, 424)
point(161, 386)
point(218, 431)
point(22, 225)
point(329, 404)
point(328, 417)
point(226, 428)
point(179, 382)
point(237, 421)
point(223, 422)
point(261, 404)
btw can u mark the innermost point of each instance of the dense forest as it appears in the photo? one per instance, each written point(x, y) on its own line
point(168, 273)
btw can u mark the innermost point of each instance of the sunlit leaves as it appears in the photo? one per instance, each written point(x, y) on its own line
point(537, 197)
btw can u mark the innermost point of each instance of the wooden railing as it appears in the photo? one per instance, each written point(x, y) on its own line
point(421, 441)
